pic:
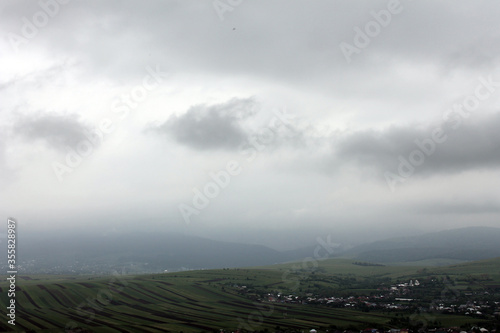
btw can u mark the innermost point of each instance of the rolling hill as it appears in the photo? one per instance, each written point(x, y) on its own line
point(208, 300)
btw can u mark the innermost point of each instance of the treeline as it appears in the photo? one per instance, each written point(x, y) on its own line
point(362, 263)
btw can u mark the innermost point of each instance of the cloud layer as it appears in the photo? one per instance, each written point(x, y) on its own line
point(421, 91)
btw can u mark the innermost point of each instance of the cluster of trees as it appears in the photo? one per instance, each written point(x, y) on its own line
point(362, 263)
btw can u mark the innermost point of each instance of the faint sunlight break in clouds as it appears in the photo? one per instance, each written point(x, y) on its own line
point(121, 106)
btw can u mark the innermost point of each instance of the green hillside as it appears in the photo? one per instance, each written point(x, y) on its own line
point(208, 300)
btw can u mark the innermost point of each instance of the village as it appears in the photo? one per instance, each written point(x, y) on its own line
point(405, 300)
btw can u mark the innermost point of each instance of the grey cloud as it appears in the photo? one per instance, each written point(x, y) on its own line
point(466, 144)
point(211, 126)
point(59, 131)
point(293, 41)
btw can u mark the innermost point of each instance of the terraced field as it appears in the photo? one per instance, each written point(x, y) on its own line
point(176, 302)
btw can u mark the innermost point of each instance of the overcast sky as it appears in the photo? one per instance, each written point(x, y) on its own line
point(249, 114)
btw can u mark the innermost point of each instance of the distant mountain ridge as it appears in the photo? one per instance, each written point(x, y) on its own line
point(156, 252)
point(472, 243)
point(152, 252)
point(143, 252)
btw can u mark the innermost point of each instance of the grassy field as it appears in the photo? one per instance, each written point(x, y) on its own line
point(208, 300)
